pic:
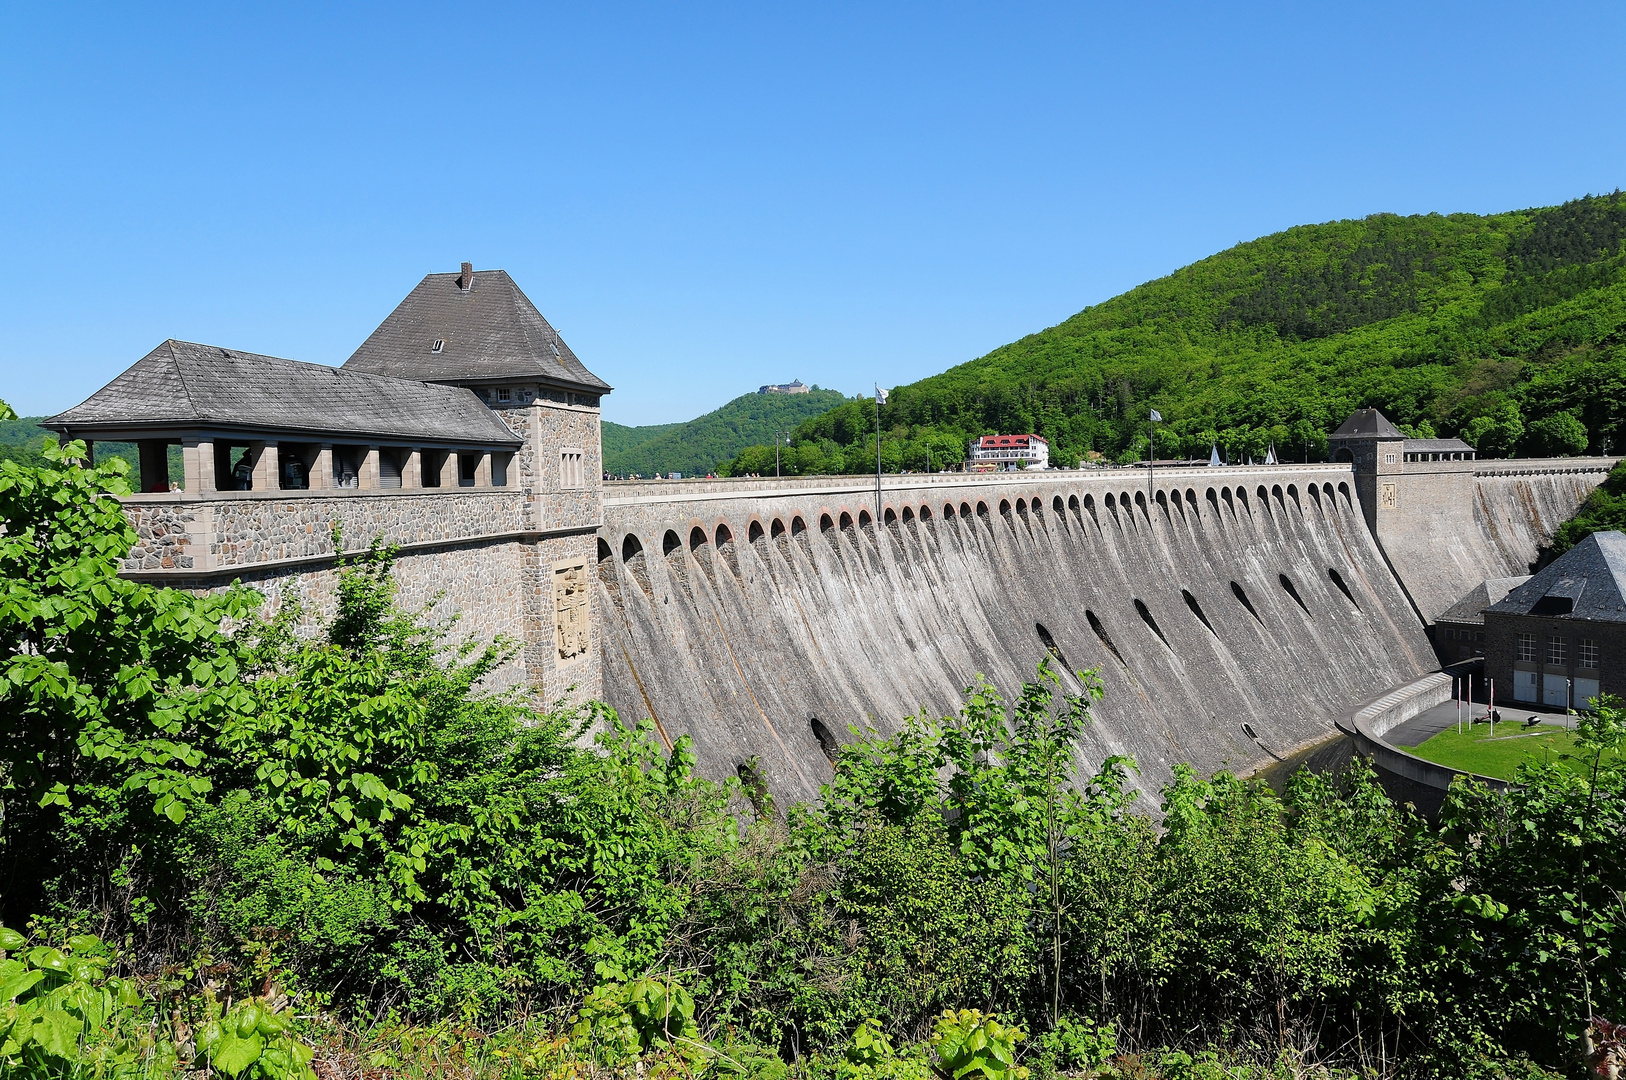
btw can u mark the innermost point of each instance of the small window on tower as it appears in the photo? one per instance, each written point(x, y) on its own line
point(440, 343)
point(571, 472)
point(505, 394)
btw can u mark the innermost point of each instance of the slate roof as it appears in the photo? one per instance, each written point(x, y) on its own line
point(491, 331)
point(1436, 446)
point(1587, 582)
point(1471, 608)
point(1367, 424)
point(182, 384)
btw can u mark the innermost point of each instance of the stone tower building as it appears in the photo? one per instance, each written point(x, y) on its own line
point(464, 431)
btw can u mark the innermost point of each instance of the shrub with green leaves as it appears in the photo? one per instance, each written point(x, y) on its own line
point(971, 1045)
point(112, 692)
point(63, 1014)
point(625, 1020)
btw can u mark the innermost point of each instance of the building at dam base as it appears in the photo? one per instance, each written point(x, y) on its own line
point(1231, 612)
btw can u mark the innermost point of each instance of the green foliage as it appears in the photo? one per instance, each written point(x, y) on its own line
point(1078, 1045)
point(1603, 510)
point(63, 1014)
point(624, 1020)
point(969, 1044)
point(110, 691)
point(1471, 326)
point(250, 1039)
point(389, 821)
point(1558, 435)
point(697, 447)
point(620, 439)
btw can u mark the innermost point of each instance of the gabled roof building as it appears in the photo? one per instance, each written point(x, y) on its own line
point(1559, 639)
point(436, 396)
point(463, 432)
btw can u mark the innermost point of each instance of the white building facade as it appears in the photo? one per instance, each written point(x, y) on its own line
point(1003, 453)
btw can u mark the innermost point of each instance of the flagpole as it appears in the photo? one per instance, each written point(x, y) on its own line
point(1151, 459)
point(880, 396)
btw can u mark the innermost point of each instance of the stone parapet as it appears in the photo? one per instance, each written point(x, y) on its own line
point(626, 492)
point(185, 534)
point(1538, 466)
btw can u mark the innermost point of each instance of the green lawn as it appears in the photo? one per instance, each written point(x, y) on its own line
point(1500, 755)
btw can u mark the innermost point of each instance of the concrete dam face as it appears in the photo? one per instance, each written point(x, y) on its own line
point(765, 619)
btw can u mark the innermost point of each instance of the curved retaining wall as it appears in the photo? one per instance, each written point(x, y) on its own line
point(1405, 776)
point(763, 619)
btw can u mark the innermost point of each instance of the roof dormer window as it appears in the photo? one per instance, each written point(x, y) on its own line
point(439, 345)
point(505, 394)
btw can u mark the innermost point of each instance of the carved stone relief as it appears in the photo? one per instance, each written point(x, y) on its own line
point(570, 609)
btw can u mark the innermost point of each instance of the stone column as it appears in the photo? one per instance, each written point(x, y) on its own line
point(448, 470)
point(412, 470)
point(482, 470)
point(367, 475)
point(265, 467)
point(321, 478)
point(198, 465)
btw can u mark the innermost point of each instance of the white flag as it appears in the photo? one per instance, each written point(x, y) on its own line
point(880, 395)
point(1156, 416)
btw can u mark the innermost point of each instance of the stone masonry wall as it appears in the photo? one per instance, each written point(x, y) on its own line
point(467, 589)
point(547, 428)
point(180, 532)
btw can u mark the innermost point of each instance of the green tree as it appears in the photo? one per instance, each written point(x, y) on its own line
point(1497, 432)
point(111, 691)
point(1559, 435)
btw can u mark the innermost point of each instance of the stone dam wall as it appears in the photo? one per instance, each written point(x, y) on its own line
point(763, 619)
point(1460, 523)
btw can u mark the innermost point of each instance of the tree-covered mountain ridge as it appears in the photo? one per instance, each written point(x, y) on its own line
point(1504, 329)
point(696, 447)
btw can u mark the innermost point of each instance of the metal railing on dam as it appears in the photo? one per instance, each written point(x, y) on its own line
point(763, 618)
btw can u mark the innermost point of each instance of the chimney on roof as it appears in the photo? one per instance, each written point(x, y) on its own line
point(465, 280)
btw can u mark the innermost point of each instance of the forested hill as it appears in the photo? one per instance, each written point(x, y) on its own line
point(699, 446)
point(1504, 329)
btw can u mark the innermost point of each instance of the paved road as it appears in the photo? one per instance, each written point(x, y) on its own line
point(1425, 725)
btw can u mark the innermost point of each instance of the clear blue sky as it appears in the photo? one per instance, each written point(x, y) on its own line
point(705, 197)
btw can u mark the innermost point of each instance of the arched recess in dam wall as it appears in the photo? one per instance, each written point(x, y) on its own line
point(739, 615)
